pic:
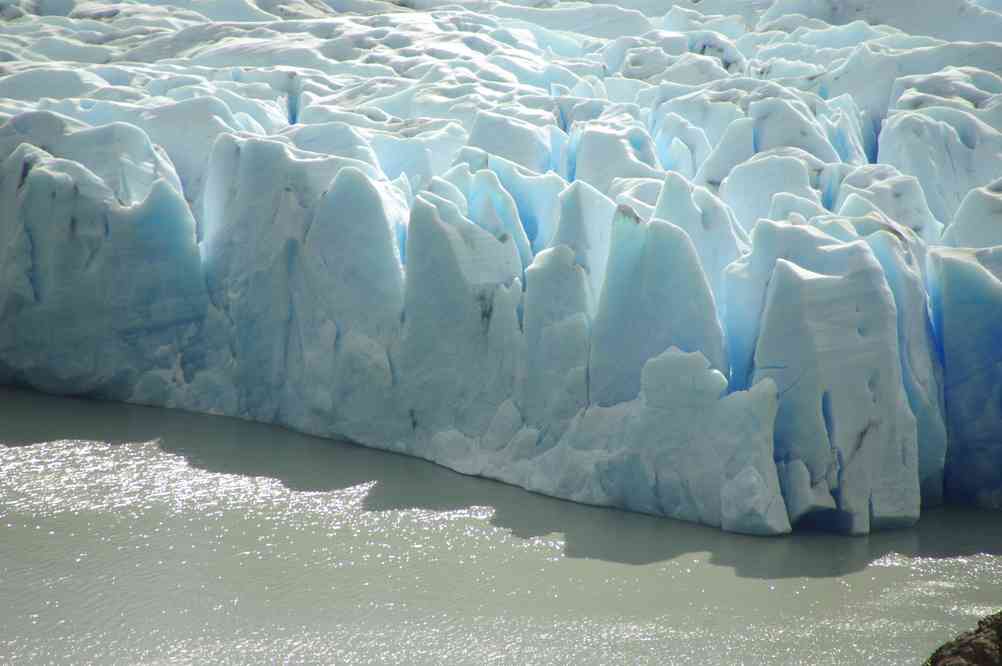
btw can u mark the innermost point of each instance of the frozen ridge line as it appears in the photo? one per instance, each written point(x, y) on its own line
point(741, 267)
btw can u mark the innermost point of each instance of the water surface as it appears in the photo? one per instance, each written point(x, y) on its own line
point(139, 535)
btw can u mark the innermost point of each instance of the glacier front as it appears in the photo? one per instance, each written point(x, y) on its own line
point(740, 266)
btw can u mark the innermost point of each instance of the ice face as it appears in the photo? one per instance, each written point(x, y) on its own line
point(978, 222)
point(820, 320)
point(78, 315)
point(965, 306)
point(730, 262)
point(655, 296)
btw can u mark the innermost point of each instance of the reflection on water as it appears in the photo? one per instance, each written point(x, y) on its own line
point(336, 552)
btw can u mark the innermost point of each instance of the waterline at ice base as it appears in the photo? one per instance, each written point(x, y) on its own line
point(740, 266)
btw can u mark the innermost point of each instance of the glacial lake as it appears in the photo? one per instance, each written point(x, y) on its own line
point(139, 535)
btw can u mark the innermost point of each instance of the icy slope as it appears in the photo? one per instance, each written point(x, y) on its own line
point(739, 267)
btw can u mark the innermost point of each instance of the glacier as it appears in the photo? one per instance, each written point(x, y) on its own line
point(736, 262)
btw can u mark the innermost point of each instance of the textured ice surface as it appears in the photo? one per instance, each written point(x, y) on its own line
point(732, 261)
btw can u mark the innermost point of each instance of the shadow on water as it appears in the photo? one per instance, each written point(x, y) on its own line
point(300, 462)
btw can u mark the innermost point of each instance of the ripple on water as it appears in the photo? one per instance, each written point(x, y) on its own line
point(138, 535)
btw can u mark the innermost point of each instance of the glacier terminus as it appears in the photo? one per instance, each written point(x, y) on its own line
point(735, 262)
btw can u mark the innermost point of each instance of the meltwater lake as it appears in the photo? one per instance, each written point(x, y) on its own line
point(138, 535)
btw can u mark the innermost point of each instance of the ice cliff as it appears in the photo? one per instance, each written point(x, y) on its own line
point(740, 266)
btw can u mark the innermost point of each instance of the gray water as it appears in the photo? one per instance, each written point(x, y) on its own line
point(138, 535)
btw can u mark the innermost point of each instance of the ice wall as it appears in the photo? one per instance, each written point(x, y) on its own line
point(740, 267)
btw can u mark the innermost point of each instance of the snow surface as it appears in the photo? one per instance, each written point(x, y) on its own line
point(732, 261)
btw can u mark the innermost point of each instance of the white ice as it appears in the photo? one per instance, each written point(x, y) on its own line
point(732, 261)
